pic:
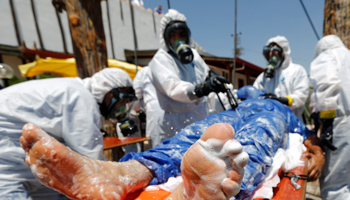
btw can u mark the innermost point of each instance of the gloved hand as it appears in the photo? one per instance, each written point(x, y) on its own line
point(327, 118)
point(213, 83)
point(285, 100)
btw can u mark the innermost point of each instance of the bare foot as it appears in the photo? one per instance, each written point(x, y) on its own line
point(76, 176)
point(213, 167)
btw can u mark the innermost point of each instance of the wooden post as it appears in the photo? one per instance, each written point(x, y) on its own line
point(89, 43)
point(337, 19)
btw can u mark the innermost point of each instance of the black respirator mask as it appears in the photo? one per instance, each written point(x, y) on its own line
point(128, 127)
point(274, 61)
point(115, 111)
point(179, 48)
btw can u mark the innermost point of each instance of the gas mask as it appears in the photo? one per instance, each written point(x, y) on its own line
point(273, 54)
point(180, 47)
point(120, 104)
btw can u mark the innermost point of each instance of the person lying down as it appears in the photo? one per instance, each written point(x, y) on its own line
point(212, 156)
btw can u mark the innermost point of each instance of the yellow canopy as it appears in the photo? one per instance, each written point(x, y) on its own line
point(67, 67)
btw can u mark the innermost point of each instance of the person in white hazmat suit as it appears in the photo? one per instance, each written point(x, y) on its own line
point(282, 79)
point(69, 109)
point(146, 94)
point(329, 74)
point(179, 75)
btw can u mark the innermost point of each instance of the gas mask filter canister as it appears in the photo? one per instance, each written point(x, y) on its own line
point(183, 51)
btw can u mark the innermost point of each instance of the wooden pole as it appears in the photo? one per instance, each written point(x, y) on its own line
point(337, 19)
point(89, 43)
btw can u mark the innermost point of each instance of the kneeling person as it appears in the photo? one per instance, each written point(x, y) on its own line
point(68, 109)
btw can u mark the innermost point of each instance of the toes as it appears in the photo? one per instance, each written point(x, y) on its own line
point(36, 143)
point(232, 147)
point(215, 155)
point(230, 187)
point(240, 161)
point(220, 131)
point(236, 175)
point(30, 134)
point(24, 144)
point(28, 159)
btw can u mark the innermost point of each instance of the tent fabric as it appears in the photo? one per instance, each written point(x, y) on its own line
point(67, 67)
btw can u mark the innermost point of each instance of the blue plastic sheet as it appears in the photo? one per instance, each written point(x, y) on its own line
point(261, 125)
point(248, 92)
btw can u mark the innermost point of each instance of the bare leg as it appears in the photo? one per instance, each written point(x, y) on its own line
point(76, 176)
point(213, 167)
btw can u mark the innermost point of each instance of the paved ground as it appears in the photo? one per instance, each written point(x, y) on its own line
point(313, 191)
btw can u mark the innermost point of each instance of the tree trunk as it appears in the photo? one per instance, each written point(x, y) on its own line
point(89, 44)
point(337, 19)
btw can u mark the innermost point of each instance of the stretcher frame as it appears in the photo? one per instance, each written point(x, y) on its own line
point(284, 190)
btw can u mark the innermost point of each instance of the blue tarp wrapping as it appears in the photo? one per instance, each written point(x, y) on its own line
point(261, 125)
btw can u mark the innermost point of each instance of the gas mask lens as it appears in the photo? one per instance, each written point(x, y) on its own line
point(121, 103)
point(275, 55)
point(118, 112)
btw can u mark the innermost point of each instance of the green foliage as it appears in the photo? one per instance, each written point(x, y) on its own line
point(44, 76)
point(15, 79)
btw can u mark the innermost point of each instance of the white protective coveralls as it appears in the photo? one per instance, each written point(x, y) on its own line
point(290, 79)
point(172, 79)
point(66, 108)
point(329, 74)
point(146, 93)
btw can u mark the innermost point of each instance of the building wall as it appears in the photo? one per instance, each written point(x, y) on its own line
point(240, 80)
point(146, 26)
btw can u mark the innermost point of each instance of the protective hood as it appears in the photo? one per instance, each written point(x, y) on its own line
point(284, 43)
point(328, 42)
point(172, 15)
point(105, 80)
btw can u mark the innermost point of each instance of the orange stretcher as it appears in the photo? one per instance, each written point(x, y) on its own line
point(115, 142)
point(284, 190)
